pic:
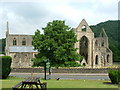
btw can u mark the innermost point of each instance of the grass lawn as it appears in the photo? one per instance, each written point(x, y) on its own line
point(11, 81)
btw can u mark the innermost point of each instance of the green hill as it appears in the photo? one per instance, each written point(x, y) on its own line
point(112, 30)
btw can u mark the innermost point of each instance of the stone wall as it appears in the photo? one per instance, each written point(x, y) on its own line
point(95, 50)
point(96, 54)
point(22, 60)
point(62, 70)
point(90, 36)
point(19, 39)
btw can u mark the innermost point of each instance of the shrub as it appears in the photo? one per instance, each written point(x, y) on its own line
point(71, 64)
point(5, 61)
point(114, 76)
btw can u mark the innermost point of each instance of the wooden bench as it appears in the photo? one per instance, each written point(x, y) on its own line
point(30, 82)
point(42, 85)
point(16, 87)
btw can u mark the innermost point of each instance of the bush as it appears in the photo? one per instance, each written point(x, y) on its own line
point(5, 61)
point(114, 76)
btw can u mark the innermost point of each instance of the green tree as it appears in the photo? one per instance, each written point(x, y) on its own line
point(57, 44)
point(2, 45)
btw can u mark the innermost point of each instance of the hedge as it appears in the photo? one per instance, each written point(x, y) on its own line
point(114, 76)
point(5, 61)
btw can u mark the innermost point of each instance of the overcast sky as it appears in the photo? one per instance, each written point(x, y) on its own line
point(26, 16)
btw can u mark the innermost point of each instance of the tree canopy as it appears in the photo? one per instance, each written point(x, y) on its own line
point(56, 44)
point(2, 45)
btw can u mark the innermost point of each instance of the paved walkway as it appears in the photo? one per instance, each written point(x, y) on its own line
point(81, 74)
point(92, 76)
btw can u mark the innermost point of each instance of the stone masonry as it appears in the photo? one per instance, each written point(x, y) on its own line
point(95, 51)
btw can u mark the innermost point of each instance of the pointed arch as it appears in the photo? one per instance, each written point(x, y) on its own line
point(24, 41)
point(96, 43)
point(84, 47)
point(82, 24)
point(103, 33)
point(84, 28)
point(14, 41)
point(108, 57)
point(102, 43)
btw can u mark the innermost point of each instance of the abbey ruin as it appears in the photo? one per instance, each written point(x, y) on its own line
point(95, 51)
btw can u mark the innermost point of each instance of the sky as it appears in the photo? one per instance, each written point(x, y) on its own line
point(25, 16)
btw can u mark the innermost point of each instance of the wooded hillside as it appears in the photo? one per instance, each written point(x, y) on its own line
point(112, 30)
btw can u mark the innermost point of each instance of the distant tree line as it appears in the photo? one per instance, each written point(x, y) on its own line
point(2, 45)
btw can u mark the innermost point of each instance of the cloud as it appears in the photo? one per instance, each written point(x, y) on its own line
point(26, 17)
point(119, 10)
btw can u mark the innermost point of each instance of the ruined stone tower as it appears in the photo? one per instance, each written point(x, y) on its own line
point(20, 48)
point(95, 51)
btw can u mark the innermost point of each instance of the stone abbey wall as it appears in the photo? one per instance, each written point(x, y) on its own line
point(95, 51)
point(19, 39)
point(20, 48)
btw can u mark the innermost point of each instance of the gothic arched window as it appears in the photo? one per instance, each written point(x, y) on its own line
point(84, 28)
point(96, 43)
point(23, 41)
point(14, 41)
point(83, 49)
point(96, 59)
point(102, 43)
point(108, 57)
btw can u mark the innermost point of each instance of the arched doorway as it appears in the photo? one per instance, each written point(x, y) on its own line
point(84, 48)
